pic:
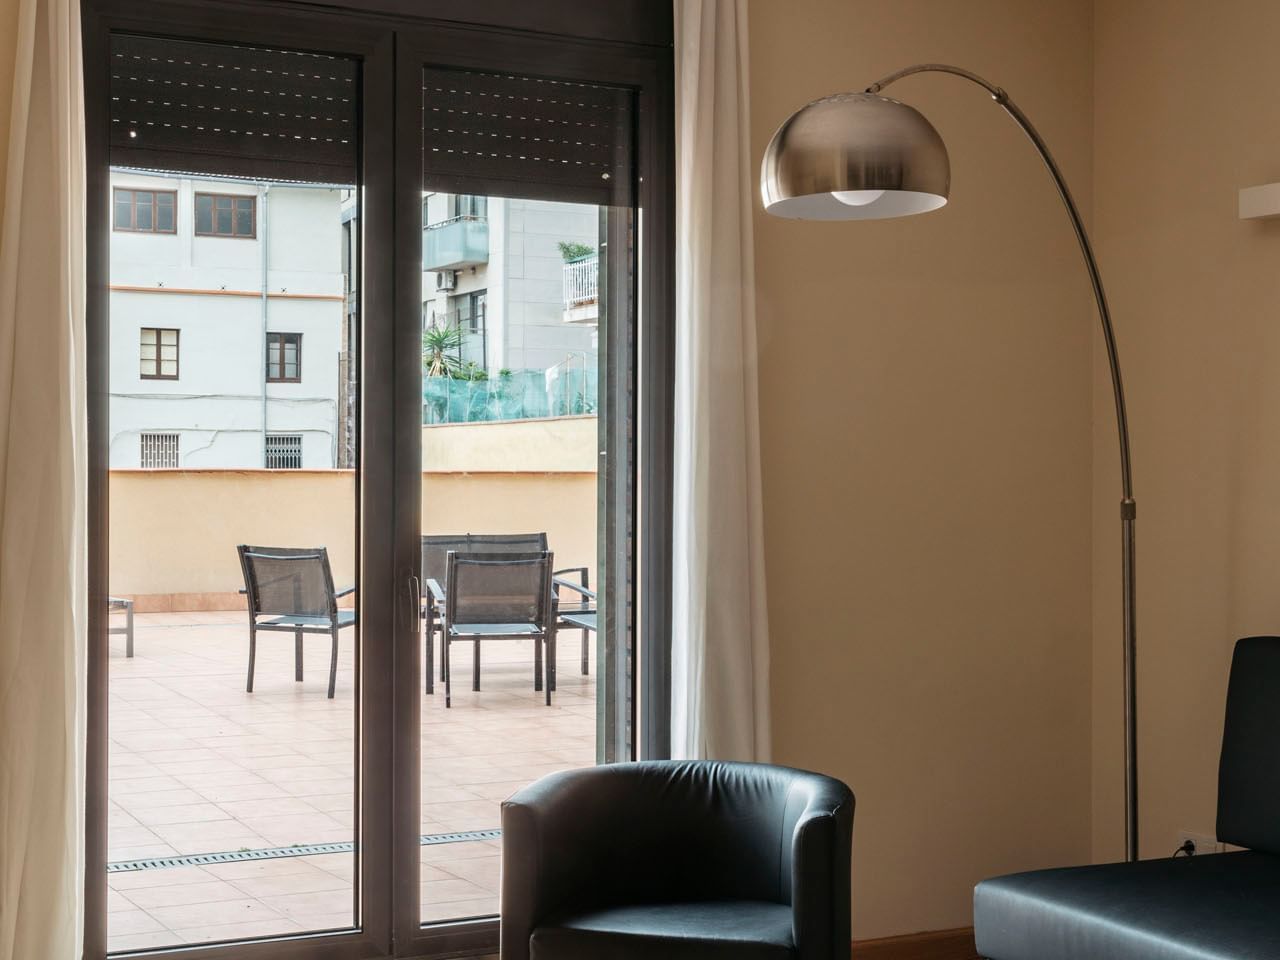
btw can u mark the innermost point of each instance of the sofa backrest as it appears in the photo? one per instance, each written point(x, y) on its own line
point(1249, 770)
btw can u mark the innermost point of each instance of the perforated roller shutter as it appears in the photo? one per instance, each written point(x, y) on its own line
point(235, 111)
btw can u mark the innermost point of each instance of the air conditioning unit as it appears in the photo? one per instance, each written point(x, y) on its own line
point(447, 280)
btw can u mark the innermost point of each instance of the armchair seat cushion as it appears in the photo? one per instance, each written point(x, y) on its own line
point(1209, 907)
point(710, 930)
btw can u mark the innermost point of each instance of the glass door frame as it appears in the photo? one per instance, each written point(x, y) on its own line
point(641, 565)
point(393, 46)
point(273, 26)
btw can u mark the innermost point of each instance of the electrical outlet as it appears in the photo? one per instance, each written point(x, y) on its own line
point(1203, 842)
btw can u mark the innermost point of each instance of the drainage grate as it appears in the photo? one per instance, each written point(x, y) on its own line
point(274, 853)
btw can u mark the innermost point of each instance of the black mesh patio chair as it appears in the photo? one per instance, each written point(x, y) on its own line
point(435, 575)
point(290, 590)
point(576, 606)
point(496, 596)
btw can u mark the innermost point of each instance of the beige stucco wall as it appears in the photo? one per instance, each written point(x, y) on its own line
point(925, 393)
point(174, 532)
point(1185, 116)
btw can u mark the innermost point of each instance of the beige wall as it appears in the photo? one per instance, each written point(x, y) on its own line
point(174, 532)
point(926, 437)
point(1185, 116)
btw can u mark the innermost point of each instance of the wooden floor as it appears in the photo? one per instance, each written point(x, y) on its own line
point(199, 766)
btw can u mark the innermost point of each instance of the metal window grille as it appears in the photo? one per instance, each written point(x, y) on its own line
point(284, 451)
point(159, 450)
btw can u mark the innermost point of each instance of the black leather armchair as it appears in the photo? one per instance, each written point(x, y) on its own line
point(677, 860)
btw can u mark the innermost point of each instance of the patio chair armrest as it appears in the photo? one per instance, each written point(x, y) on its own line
point(344, 592)
point(558, 582)
point(242, 591)
point(434, 590)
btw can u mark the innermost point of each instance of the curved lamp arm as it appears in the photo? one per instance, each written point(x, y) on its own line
point(1128, 507)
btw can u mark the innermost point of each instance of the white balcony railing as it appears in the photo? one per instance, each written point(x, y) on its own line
point(581, 282)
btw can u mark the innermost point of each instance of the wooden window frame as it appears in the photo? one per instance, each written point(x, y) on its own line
point(214, 232)
point(177, 360)
point(275, 344)
point(133, 210)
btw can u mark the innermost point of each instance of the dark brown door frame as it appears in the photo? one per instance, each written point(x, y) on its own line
point(647, 71)
point(393, 48)
point(373, 43)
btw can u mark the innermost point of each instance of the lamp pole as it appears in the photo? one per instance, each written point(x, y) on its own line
point(1128, 507)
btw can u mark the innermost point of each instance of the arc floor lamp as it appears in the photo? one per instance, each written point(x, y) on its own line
point(861, 156)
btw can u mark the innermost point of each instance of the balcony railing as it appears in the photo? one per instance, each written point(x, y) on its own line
point(582, 290)
point(581, 281)
point(456, 243)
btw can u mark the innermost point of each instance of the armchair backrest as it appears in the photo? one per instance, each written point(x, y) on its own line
point(288, 581)
point(1249, 768)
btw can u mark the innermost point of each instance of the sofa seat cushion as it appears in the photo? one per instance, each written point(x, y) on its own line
point(714, 930)
point(1223, 906)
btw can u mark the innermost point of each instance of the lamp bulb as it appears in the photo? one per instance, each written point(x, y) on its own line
point(857, 198)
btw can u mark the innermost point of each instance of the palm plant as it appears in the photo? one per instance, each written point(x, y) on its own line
point(440, 346)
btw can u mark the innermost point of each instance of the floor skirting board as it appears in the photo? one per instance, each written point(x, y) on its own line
point(934, 945)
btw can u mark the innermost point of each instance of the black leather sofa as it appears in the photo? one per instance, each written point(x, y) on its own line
point(1223, 906)
point(677, 860)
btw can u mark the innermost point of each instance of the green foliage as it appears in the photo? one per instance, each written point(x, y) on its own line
point(439, 351)
point(572, 250)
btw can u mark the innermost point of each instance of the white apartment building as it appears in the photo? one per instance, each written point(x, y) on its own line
point(494, 267)
point(228, 324)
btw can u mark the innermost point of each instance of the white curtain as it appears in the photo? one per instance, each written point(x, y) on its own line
point(42, 493)
point(720, 639)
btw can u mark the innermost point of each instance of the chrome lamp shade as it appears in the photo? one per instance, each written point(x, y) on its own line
point(854, 156)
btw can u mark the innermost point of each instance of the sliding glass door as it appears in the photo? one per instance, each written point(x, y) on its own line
point(528, 277)
point(379, 414)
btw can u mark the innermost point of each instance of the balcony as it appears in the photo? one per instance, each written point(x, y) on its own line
point(582, 291)
point(456, 243)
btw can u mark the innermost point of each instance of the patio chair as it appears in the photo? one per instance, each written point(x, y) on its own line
point(497, 596)
point(435, 574)
point(290, 590)
point(576, 612)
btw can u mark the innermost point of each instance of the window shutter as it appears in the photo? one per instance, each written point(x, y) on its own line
point(505, 135)
point(236, 111)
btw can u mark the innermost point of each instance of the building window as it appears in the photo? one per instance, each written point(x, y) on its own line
point(470, 311)
point(158, 354)
point(284, 451)
point(284, 357)
point(159, 451)
point(226, 215)
point(468, 205)
point(145, 211)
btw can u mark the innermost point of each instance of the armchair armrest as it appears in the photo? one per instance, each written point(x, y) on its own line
point(345, 591)
point(820, 878)
point(557, 835)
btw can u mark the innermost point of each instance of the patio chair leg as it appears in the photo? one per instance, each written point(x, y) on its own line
point(475, 666)
point(585, 668)
point(430, 659)
point(253, 650)
point(444, 669)
point(551, 664)
point(446, 647)
point(333, 662)
point(297, 656)
point(537, 664)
